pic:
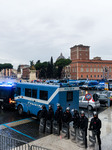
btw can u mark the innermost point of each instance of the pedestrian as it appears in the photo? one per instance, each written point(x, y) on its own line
point(66, 119)
point(95, 126)
point(58, 117)
point(50, 117)
point(83, 126)
point(43, 117)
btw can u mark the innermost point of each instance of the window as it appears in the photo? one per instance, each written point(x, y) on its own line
point(98, 76)
point(94, 69)
point(73, 69)
point(87, 70)
point(43, 95)
point(18, 92)
point(81, 76)
point(91, 70)
point(81, 69)
point(87, 76)
point(70, 96)
point(95, 76)
point(101, 69)
point(28, 92)
point(91, 76)
point(34, 93)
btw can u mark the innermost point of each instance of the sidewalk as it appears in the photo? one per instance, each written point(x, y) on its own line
point(54, 142)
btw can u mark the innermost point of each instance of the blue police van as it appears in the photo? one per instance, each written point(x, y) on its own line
point(30, 97)
point(7, 91)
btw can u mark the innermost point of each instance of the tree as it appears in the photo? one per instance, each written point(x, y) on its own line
point(60, 64)
point(6, 66)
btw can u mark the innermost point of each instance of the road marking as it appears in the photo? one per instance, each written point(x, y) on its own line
point(19, 132)
point(27, 119)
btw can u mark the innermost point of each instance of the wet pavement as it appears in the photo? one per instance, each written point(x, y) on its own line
point(20, 127)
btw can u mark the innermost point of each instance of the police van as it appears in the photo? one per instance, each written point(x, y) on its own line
point(7, 91)
point(30, 97)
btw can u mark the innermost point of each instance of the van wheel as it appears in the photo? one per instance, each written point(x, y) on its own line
point(90, 107)
point(20, 110)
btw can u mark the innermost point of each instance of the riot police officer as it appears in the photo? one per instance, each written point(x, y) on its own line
point(50, 118)
point(83, 126)
point(95, 126)
point(43, 117)
point(66, 119)
point(50, 113)
point(75, 118)
point(58, 116)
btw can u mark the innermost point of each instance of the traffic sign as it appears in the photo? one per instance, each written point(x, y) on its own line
point(88, 96)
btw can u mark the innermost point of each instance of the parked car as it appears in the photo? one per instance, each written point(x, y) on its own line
point(90, 105)
point(106, 94)
point(103, 99)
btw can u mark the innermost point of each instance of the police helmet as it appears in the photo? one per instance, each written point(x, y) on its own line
point(72, 110)
point(68, 108)
point(82, 112)
point(95, 114)
point(58, 105)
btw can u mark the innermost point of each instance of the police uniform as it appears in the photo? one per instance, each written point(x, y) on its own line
point(58, 117)
point(83, 126)
point(43, 117)
point(66, 119)
point(95, 126)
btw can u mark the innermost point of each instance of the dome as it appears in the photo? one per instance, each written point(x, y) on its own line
point(61, 57)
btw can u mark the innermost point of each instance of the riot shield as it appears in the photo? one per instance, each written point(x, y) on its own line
point(42, 125)
point(80, 135)
point(92, 138)
point(74, 133)
point(56, 129)
point(65, 130)
point(49, 126)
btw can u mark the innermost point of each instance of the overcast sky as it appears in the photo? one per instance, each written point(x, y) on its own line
point(38, 29)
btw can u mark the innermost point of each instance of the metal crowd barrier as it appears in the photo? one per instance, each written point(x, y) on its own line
point(9, 143)
point(33, 147)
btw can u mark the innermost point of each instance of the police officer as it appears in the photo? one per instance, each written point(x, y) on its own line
point(58, 116)
point(50, 117)
point(50, 113)
point(95, 126)
point(76, 120)
point(43, 117)
point(83, 126)
point(66, 119)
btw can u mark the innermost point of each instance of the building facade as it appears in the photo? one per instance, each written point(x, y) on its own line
point(82, 67)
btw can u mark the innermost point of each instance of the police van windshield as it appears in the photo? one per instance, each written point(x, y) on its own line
point(6, 92)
